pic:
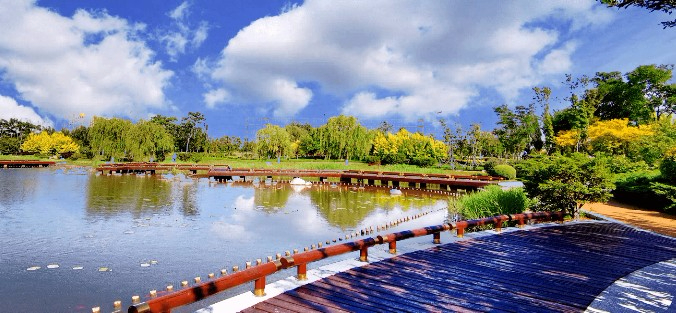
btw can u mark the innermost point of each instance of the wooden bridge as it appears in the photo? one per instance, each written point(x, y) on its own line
point(222, 173)
point(24, 163)
point(561, 268)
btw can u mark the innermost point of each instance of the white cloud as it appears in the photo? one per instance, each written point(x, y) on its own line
point(176, 39)
point(9, 109)
point(90, 63)
point(216, 96)
point(403, 58)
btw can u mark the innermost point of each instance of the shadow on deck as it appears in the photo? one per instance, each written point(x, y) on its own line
point(557, 268)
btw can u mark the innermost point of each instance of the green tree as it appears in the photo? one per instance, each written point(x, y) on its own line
point(542, 96)
point(561, 182)
point(650, 81)
point(272, 140)
point(344, 137)
point(451, 139)
point(666, 6)
point(191, 129)
point(147, 139)
point(106, 136)
point(519, 130)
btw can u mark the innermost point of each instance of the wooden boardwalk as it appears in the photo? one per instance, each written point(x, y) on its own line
point(24, 163)
point(561, 268)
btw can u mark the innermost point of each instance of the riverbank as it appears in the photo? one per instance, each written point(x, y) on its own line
point(658, 222)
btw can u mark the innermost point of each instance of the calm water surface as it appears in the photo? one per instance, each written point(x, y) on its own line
point(117, 236)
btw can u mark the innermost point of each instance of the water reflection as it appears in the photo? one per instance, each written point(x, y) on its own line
point(190, 226)
point(112, 195)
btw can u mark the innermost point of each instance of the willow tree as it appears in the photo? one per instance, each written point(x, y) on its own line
point(272, 140)
point(147, 139)
point(344, 137)
point(106, 136)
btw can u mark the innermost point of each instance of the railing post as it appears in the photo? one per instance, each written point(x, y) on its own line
point(364, 253)
point(393, 247)
point(259, 287)
point(437, 238)
point(461, 232)
point(302, 271)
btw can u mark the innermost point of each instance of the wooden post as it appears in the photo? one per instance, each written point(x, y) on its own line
point(302, 271)
point(364, 254)
point(259, 287)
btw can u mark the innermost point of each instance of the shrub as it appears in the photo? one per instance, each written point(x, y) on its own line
point(639, 189)
point(423, 161)
point(503, 170)
point(668, 166)
point(196, 157)
point(183, 156)
point(490, 164)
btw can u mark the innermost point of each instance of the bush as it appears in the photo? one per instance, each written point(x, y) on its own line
point(639, 189)
point(423, 161)
point(394, 159)
point(622, 164)
point(493, 201)
point(183, 156)
point(490, 164)
point(668, 166)
point(196, 157)
point(503, 170)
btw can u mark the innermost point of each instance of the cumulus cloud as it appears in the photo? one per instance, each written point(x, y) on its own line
point(180, 36)
point(9, 109)
point(403, 58)
point(90, 63)
point(214, 97)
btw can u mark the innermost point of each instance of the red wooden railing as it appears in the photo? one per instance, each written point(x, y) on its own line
point(259, 272)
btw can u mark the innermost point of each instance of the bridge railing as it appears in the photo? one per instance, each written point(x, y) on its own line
point(260, 271)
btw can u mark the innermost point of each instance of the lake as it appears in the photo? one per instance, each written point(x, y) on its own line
point(71, 240)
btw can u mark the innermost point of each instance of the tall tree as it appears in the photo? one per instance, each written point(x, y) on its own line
point(519, 130)
point(191, 128)
point(451, 140)
point(272, 140)
point(146, 140)
point(106, 136)
point(657, 95)
point(344, 137)
point(542, 96)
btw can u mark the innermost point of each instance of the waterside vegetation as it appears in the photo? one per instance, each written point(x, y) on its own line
point(615, 136)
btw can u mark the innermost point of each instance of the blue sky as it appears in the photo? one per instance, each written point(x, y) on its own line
point(245, 63)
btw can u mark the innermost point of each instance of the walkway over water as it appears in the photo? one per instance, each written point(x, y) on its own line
point(222, 173)
point(24, 163)
point(559, 268)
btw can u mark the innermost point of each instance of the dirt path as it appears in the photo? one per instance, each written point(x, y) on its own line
point(655, 221)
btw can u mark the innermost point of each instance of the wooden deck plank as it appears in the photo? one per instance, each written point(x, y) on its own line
point(560, 268)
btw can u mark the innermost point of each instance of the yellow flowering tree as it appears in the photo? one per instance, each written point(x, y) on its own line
point(46, 144)
point(608, 136)
point(408, 147)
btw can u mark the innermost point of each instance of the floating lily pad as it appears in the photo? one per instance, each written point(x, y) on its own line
point(77, 268)
point(53, 266)
point(33, 268)
point(103, 269)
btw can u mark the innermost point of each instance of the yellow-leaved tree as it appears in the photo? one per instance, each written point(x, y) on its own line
point(46, 144)
point(414, 148)
point(608, 136)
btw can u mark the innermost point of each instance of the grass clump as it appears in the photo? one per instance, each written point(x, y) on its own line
point(492, 201)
